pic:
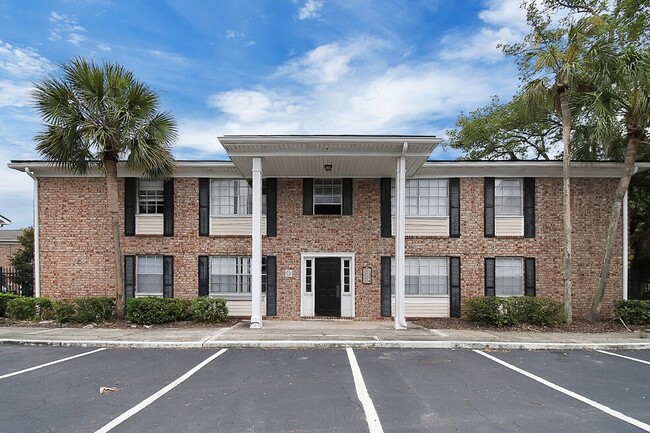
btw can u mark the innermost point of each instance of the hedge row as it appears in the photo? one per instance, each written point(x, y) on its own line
point(146, 311)
point(514, 310)
point(633, 312)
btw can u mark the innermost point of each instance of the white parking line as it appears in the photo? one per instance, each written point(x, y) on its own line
point(147, 401)
point(608, 410)
point(642, 361)
point(362, 393)
point(15, 373)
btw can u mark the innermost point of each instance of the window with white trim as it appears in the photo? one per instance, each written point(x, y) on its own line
point(424, 197)
point(328, 196)
point(232, 274)
point(233, 197)
point(508, 276)
point(508, 197)
point(149, 276)
point(151, 198)
point(424, 276)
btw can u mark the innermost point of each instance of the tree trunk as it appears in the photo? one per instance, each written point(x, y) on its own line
point(110, 163)
point(566, 203)
point(634, 141)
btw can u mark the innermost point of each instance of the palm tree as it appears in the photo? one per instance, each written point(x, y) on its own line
point(550, 60)
point(94, 116)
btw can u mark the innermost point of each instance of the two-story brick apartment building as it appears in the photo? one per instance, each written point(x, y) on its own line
point(330, 226)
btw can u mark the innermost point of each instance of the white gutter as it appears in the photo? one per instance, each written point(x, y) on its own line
point(37, 249)
point(625, 246)
point(400, 240)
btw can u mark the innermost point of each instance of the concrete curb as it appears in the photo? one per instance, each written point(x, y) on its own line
point(329, 344)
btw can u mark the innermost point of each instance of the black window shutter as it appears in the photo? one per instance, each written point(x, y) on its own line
point(130, 198)
point(271, 207)
point(488, 201)
point(385, 287)
point(168, 276)
point(529, 207)
point(204, 275)
point(347, 196)
point(204, 207)
point(489, 277)
point(129, 277)
point(454, 286)
point(308, 196)
point(386, 218)
point(454, 207)
point(168, 208)
point(529, 276)
point(271, 286)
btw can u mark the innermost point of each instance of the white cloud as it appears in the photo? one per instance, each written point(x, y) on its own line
point(22, 62)
point(13, 94)
point(505, 23)
point(66, 27)
point(104, 47)
point(310, 10)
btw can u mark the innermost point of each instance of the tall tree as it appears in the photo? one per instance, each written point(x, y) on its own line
point(550, 61)
point(23, 262)
point(95, 115)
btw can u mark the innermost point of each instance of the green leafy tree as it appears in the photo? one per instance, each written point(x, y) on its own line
point(96, 115)
point(23, 262)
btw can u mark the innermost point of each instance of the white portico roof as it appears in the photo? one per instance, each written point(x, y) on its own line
point(362, 156)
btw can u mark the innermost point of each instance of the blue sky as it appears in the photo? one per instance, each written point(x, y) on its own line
point(262, 67)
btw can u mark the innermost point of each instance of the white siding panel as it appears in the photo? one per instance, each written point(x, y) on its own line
point(424, 226)
point(424, 306)
point(148, 224)
point(243, 308)
point(509, 226)
point(234, 225)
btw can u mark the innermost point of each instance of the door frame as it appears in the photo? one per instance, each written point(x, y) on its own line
point(307, 300)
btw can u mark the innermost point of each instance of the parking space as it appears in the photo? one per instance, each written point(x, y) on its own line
point(248, 390)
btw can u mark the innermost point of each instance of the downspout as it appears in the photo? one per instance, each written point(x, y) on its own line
point(626, 235)
point(37, 249)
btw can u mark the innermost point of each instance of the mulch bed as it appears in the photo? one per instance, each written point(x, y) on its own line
point(578, 326)
point(118, 324)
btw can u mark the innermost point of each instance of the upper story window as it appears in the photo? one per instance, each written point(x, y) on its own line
point(508, 276)
point(233, 197)
point(424, 276)
point(149, 276)
point(232, 274)
point(151, 198)
point(508, 197)
point(424, 197)
point(328, 196)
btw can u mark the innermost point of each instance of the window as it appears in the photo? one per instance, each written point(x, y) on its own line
point(308, 275)
point(232, 274)
point(151, 198)
point(508, 197)
point(328, 196)
point(424, 276)
point(149, 278)
point(424, 197)
point(233, 197)
point(508, 276)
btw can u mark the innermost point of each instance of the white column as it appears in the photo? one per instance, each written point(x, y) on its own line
point(256, 247)
point(37, 244)
point(400, 186)
point(625, 246)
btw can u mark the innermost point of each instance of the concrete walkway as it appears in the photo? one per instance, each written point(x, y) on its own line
point(320, 334)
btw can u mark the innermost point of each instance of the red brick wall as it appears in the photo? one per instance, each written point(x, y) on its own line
point(77, 254)
point(6, 251)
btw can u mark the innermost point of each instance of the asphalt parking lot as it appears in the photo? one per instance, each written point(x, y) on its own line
point(337, 390)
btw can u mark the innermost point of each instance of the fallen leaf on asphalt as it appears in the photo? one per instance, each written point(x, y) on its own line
point(104, 389)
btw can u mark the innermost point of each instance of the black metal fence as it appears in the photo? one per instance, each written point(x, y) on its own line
point(17, 282)
point(639, 284)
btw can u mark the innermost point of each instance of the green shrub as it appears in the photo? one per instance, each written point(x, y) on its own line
point(30, 309)
point(149, 311)
point(4, 299)
point(491, 310)
point(211, 310)
point(93, 310)
point(64, 311)
point(633, 312)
